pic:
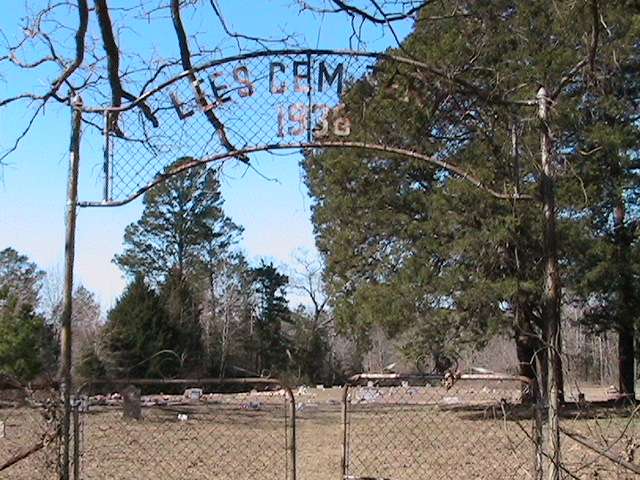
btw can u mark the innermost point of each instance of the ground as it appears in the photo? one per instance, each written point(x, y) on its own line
point(400, 433)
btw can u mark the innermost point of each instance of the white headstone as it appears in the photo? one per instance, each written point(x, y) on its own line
point(193, 393)
point(3, 431)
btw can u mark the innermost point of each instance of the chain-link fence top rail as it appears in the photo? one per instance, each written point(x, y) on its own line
point(253, 102)
point(240, 429)
point(29, 428)
point(430, 427)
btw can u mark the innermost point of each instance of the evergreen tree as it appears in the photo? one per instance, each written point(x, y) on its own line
point(183, 314)
point(28, 345)
point(272, 347)
point(90, 365)
point(606, 277)
point(420, 249)
point(182, 234)
point(310, 344)
point(25, 339)
point(19, 277)
point(139, 338)
point(182, 218)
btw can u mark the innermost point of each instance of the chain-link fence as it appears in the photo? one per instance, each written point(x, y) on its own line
point(29, 431)
point(430, 427)
point(393, 427)
point(177, 429)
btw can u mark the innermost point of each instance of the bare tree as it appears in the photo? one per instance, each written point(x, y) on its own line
point(97, 64)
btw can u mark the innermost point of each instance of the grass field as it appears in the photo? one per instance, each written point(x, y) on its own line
point(398, 434)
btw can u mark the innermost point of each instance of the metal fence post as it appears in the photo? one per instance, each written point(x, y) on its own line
point(76, 440)
point(65, 327)
point(291, 447)
point(345, 427)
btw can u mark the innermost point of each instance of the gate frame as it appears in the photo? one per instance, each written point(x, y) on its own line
point(354, 380)
point(77, 108)
point(290, 409)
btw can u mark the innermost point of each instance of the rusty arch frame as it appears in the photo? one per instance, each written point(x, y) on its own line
point(239, 153)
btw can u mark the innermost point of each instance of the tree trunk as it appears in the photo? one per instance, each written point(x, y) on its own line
point(552, 291)
point(527, 347)
point(626, 331)
point(626, 362)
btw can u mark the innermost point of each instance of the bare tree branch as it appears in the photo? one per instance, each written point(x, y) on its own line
point(236, 35)
point(582, 440)
point(185, 56)
point(83, 16)
point(351, 10)
point(113, 69)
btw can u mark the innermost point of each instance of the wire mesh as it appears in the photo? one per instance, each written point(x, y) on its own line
point(425, 428)
point(267, 100)
point(29, 440)
point(212, 431)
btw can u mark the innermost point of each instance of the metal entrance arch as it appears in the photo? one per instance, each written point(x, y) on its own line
point(227, 109)
point(237, 106)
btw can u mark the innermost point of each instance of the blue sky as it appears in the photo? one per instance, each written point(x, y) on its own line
point(274, 213)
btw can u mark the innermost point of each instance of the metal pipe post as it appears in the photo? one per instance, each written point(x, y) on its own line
point(69, 249)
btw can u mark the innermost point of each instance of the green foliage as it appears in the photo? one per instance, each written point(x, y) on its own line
point(272, 347)
point(25, 339)
point(19, 277)
point(311, 350)
point(183, 314)
point(90, 365)
point(421, 251)
point(140, 339)
point(27, 343)
point(182, 220)
point(177, 245)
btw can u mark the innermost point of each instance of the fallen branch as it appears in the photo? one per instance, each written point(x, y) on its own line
point(585, 442)
point(46, 439)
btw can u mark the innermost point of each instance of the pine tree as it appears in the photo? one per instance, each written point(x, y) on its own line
point(181, 235)
point(139, 339)
point(25, 339)
point(421, 250)
point(28, 345)
point(183, 314)
point(271, 345)
point(19, 277)
point(605, 277)
point(182, 218)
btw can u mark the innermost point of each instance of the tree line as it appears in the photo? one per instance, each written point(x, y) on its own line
point(193, 306)
point(413, 253)
point(445, 259)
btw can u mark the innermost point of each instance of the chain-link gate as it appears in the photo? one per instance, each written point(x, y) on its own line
point(432, 427)
point(29, 431)
point(177, 429)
